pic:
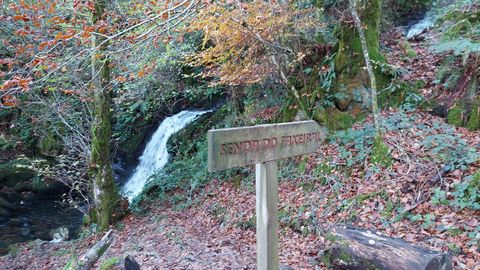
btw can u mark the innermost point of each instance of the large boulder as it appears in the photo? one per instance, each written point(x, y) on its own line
point(5, 208)
point(15, 170)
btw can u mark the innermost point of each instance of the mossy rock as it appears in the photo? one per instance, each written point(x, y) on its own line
point(5, 204)
point(131, 146)
point(401, 94)
point(381, 153)
point(455, 115)
point(110, 263)
point(334, 119)
point(349, 59)
point(48, 145)
point(16, 170)
point(473, 122)
point(183, 141)
point(287, 111)
point(465, 115)
point(409, 52)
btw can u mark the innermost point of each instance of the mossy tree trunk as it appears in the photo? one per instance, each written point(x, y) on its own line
point(104, 190)
point(352, 79)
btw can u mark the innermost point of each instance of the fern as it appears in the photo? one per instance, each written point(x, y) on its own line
point(458, 46)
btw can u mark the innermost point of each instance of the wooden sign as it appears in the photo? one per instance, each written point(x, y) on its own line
point(263, 145)
point(236, 147)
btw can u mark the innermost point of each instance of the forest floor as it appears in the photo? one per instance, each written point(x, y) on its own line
point(217, 229)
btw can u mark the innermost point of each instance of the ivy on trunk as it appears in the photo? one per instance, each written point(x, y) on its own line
point(104, 190)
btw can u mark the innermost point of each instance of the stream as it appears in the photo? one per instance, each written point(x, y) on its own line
point(35, 218)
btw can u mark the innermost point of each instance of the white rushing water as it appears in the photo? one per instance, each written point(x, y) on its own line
point(155, 155)
point(421, 26)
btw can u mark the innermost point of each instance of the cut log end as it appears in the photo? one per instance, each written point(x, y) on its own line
point(356, 249)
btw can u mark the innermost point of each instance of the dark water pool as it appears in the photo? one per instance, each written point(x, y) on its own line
point(35, 219)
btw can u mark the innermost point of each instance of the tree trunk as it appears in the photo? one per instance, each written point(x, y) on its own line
point(104, 190)
point(349, 60)
point(366, 57)
point(356, 249)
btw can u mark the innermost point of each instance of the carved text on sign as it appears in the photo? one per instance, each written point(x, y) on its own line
point(234, 147)
point(266, 143)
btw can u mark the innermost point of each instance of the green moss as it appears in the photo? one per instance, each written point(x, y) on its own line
point(345, 257)
point(409, 52)
point(16, 170)
point(473, 122)
point(38, 184)
point(48, 145)
point(287, 111)
point(326, 259)
point(455, 115)
point(109, 263)
point(181, 144)
point(334, 119)
point(402, 93)
point(381, 153)
point(72, 264)
point(86, 220)
point(349, 59)
point(13, 250)
point(458, 29)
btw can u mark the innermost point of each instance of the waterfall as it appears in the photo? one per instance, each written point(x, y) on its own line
point(155, 155)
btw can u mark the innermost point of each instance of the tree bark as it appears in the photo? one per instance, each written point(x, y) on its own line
point(95, 252)
point(104, 190)
point(356, 249)
point(368, 65)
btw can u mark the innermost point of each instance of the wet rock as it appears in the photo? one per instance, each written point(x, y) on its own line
point(4, 214)
point(127, 263)
point(420, 28)
point(59, 235)
point(49, 189)
point(5, 204)
point(27, 195)
point(15, 222)
point(5, 208)
point(3, 250)
point(13, 171)
point(25, 229)
point(23, 186)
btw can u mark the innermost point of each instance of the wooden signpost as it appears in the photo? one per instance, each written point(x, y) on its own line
point(263, 145)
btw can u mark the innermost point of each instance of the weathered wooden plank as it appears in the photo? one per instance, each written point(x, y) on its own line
point(235, 147)
point(267, 215)
point(357, 249)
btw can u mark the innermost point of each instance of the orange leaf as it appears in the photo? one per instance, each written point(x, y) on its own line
point(85, 34)
point(42, 45)
point(59, 36)
point(68, 92)
point(121, 79)
point(21, 32)
point(9, 101)
point(68, 36)
point(22, 17)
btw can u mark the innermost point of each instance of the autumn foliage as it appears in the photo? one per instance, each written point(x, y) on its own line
point(241, 39)
point(49, 40)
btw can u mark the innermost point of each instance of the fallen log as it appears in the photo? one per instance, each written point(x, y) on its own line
point(94, 253)
point(357, 249)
